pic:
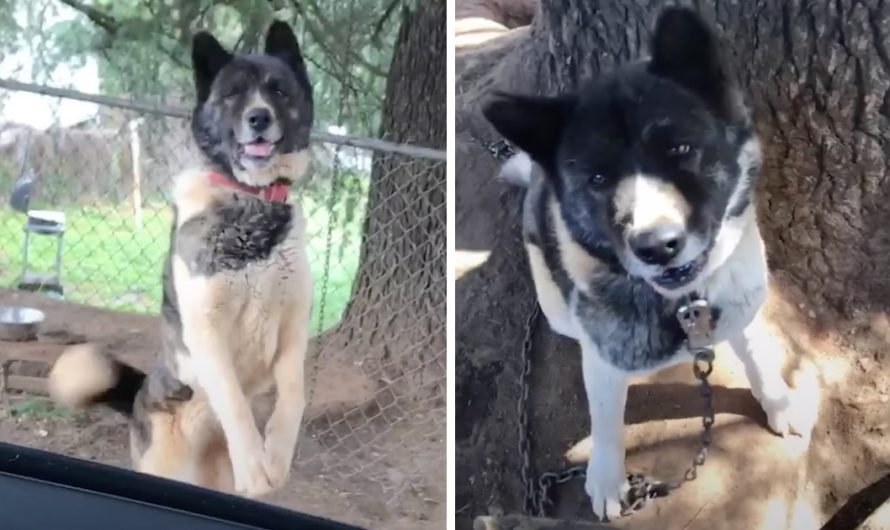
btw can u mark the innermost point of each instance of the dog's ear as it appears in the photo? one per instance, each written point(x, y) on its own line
point(282, 43)
point(208, 58)
point(534, 124)
point(686, 51)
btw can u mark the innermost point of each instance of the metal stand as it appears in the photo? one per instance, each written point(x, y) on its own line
point(49, 224)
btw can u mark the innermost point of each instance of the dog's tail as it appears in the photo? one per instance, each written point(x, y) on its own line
point(518, 170)
point(86, 375)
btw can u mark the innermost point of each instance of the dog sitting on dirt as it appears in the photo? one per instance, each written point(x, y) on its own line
point(237, 286)
point(640, 193)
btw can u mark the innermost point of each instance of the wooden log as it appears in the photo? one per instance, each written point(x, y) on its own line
point(37, 352)
point(25, 383)
point(524, 522)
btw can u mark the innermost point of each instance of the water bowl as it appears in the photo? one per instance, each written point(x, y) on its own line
point(19, 324)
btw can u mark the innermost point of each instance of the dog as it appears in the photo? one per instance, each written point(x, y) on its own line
point(237, 290)
point(639, 194)
point(171, 435)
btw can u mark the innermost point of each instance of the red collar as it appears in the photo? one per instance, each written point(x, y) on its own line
point(275, 192)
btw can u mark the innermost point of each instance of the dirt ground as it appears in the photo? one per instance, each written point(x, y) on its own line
point(372, 485)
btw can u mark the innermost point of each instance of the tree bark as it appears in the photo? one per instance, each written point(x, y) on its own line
point(394, 325)
point(817, 75)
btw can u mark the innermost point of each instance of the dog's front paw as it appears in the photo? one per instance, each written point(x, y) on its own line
point(790, 414)
point(278, 462)
point(251, 478)
point(606, 483)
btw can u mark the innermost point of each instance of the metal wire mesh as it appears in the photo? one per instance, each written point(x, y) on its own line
point(376, 244)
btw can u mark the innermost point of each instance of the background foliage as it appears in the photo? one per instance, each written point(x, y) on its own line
point(142, 46)
point(140, 50)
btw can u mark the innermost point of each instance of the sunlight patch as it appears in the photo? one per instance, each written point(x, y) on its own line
point(467, 260)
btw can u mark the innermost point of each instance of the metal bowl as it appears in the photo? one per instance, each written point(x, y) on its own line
point(19, 323)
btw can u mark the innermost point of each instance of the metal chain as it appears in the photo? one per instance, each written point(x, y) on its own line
point(541, 498)
point(696, 320)
point(532, 500)
point(329, 237)
point(642, 488)
point(701, 368)
point(325, 277)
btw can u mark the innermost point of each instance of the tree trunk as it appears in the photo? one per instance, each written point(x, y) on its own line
point(817, 75)
point(394, 326)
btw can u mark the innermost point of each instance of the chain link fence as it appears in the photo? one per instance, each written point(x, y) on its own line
point(375, 215)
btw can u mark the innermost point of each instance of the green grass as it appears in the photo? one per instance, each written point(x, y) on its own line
point(107, 263)
point(34, 408)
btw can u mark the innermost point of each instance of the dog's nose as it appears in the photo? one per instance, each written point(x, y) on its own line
point(259, 119)
point(659, 245)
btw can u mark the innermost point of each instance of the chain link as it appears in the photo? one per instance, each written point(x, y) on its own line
point(532, 498)
point(500, 150)
point(642, 488)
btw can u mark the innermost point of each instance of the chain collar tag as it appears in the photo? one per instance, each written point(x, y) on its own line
point(696, 320)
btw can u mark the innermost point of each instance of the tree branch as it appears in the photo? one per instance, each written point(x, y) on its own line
point(319, 39)
point(387, 13)
point(327, 28)
point(103, 20)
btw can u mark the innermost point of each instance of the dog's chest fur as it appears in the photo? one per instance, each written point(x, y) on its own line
point(248, 256)
point(631, 326)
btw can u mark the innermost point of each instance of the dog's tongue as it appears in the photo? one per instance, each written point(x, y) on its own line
point(258, 149)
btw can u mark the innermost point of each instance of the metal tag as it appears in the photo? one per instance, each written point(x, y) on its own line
point(695, 319)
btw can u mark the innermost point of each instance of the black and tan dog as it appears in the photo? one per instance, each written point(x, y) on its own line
point(237, 286)
point(640, 192)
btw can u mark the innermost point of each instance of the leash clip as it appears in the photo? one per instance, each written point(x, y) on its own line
point(642, 490)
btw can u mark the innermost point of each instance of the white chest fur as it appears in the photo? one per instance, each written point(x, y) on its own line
point(738, 285)
point(246, 308)
point(735, 283)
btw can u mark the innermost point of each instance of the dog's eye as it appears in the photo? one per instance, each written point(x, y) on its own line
point(679, 150)
point(231, 92)
point(275, 89)
point(597, 180)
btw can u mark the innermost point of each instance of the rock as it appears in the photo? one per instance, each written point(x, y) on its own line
point(866, 363)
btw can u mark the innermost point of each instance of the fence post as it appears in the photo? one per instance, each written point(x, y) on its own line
point(136, 155)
